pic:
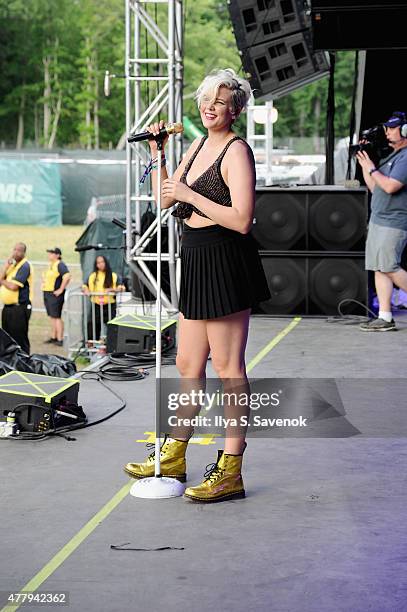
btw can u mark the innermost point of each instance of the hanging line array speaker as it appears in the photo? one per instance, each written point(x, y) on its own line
point(275, 43)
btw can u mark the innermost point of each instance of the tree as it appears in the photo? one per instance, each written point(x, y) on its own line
point(53, 56)
point(303, 112)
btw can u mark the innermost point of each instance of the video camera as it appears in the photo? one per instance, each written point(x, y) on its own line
point(373, 141)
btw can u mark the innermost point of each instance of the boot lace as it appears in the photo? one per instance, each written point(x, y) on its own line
point(213, 471)
point(151, 445)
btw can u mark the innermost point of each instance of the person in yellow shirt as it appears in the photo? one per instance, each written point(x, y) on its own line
point(105, 282)
point(54, 282)
point(16, 283)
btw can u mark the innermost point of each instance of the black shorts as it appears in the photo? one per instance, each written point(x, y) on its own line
point(53, 304)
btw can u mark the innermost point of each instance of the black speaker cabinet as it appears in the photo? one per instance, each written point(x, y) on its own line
point(315, 218)
point(134, 334)
point(40, 402)
point(359, 24)
point(313, 283)
point(275, 42)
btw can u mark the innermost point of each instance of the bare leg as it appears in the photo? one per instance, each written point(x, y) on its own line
point(53, 329)
point(399, 278)
point(227, 339)
point(192, 357)
point(59, 326)
point(384, 289)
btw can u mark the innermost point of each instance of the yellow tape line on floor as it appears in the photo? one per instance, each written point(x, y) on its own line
point(61, 556)
point(71, 546)
point(261, 354)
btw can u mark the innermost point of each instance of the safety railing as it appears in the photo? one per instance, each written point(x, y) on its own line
point(85, 322)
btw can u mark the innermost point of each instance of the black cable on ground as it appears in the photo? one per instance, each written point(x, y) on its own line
point(119, 367)
point(350, 319)
point(61, 431)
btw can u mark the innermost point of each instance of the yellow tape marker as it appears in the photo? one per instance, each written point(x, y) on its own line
point(72, 545)
point(203, 439)
point(261, 354)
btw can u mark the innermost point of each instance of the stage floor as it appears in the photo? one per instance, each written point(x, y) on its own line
point(322, 528)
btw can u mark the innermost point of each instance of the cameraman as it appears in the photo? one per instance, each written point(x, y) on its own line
point(387, 233)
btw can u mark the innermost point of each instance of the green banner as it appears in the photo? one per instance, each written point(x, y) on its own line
point(30, 193)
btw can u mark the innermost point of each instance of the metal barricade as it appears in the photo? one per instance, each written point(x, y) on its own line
point(85, 329)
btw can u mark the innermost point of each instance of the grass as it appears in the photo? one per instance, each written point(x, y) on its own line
point(38, 239)
point(39, 331)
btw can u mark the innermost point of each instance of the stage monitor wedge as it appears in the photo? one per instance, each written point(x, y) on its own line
point(358, 24)
point(274, 41)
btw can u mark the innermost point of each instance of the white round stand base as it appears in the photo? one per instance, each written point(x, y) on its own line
point(157, 488)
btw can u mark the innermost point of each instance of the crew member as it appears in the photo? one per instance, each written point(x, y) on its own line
point(104, 284)
point(55, 280)
point(16, 282)
point(387, 233)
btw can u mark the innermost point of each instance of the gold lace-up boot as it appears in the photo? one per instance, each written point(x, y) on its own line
point(172, 461)
point(222, 480)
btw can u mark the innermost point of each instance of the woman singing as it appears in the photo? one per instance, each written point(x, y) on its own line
point(221, 273)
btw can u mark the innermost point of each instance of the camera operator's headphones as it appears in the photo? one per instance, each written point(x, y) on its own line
point(403, 125)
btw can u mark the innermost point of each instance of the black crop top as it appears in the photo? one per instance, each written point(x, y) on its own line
point(210, 184)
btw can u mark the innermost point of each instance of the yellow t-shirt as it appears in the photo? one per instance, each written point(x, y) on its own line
point(96, 283)
point(21, 274)
point(53, 275)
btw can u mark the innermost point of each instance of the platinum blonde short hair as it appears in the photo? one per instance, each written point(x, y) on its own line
point(240, 88)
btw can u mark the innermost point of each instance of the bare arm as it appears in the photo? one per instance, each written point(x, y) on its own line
point(241, 182)
point(368, 179)
point(65, 282)
point(5, 268)
point(167, 202)
point(10, 285)
point(386, 183)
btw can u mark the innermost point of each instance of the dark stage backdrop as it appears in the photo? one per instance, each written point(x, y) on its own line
point(384, 86)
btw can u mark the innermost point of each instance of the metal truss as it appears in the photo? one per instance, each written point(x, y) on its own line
point(163, 32)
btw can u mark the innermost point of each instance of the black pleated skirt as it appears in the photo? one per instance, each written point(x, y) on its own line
point(221, 272)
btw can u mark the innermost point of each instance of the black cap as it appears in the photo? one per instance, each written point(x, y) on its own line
point(55, 250)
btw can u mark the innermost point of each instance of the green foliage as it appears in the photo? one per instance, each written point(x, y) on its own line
point(303, 112)
point(70, 44)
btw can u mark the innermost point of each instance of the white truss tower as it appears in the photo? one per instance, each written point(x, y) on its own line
point(164, 34)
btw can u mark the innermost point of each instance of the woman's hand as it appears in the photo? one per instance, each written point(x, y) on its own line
point(177, 191)
point(365, 161)
point(155, 128)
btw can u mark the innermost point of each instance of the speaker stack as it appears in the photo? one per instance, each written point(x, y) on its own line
point(311, 241)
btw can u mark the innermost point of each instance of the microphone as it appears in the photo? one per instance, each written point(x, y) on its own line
point(106, 84)
point(89, 247)
point(171, 128)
